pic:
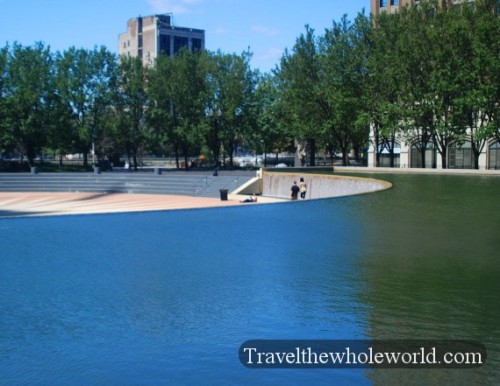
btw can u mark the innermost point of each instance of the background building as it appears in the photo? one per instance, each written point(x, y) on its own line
point(378, 6)
point(391, 6)
point(147, 37)
point(406, 152)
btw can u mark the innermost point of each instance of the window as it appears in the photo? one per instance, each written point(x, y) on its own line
point(423, 159)
point(165, 44)
point(460, 156)
point(179, 42)
point(383, 3)
point(394, 2)
point(196, 45)
point(494, 156)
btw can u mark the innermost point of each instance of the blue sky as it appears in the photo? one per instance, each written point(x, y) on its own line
point(267, 27)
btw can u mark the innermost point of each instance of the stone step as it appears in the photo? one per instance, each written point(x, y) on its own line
point(192, 185)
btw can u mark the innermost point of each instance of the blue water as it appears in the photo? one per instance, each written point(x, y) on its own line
point(168, 297)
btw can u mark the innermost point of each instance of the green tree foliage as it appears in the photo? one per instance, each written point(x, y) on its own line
point(384, 92)
point(230, 95)
point(323, 82)
point(4, 52)
point(160, 108)
point(300, 83)
point(435, 76)
point(345, 71)
point(129, 129)
point(177, 91)
point(478, 103)
point(271, 134)
point(28, 88)
point(428, 75)
point(85, 82)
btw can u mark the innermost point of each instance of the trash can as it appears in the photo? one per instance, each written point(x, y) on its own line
point(157, 171)
point(97, 170)
point(34, 170)
point(223, 194)
point(215, 174)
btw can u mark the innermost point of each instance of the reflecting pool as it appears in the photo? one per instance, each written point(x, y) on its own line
point(168, 297)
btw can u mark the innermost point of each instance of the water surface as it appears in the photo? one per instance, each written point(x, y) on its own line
point(168, 297)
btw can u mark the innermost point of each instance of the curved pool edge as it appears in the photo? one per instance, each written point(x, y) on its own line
point(320, 186)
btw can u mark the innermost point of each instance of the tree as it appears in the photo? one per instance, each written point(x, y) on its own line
point(383, 87)
point(416, 61)
point(231, 88)
point(129, 106)
point(4, 56)
point(177, 90)
point(28, 88)
point(160, 104)
point(301, 86)
point(189, 90)
point(478, 103)
point(85, 80)
point(271, 134)
point(345, 71)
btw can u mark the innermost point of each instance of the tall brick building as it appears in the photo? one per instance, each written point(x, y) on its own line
point(147, 37)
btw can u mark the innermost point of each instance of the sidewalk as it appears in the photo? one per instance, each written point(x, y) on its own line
point(55, 204)
point(24, 204)
point(363, 169)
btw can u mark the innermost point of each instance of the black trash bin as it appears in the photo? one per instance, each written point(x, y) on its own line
point(223, 194)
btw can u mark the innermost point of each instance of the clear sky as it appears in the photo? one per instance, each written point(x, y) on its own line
point(267, 27)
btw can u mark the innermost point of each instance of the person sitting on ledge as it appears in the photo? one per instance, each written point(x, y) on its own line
point(252, 198)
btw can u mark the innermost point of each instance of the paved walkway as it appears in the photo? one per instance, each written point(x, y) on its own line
point(55, 204)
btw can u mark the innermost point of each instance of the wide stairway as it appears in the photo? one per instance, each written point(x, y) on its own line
point(176, 183)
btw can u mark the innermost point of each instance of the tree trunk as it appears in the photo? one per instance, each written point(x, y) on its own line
point(476, 159)
point(345, 156)
point(312, 151)
point(444, 155)
point(177, 165)
point(135, 159)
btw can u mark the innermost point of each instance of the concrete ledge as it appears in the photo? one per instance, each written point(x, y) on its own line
point(349, 169)
point(320, 185)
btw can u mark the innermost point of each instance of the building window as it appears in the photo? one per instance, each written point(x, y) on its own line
point(383, 3)
point(165, 45)
point(196, 45)
point(423, 158)
point(460, 156)
point(386, 159)
point(394, 2)
point(180, 42)
point(494, 156)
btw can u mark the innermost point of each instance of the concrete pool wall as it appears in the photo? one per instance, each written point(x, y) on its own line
point(278, 184)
